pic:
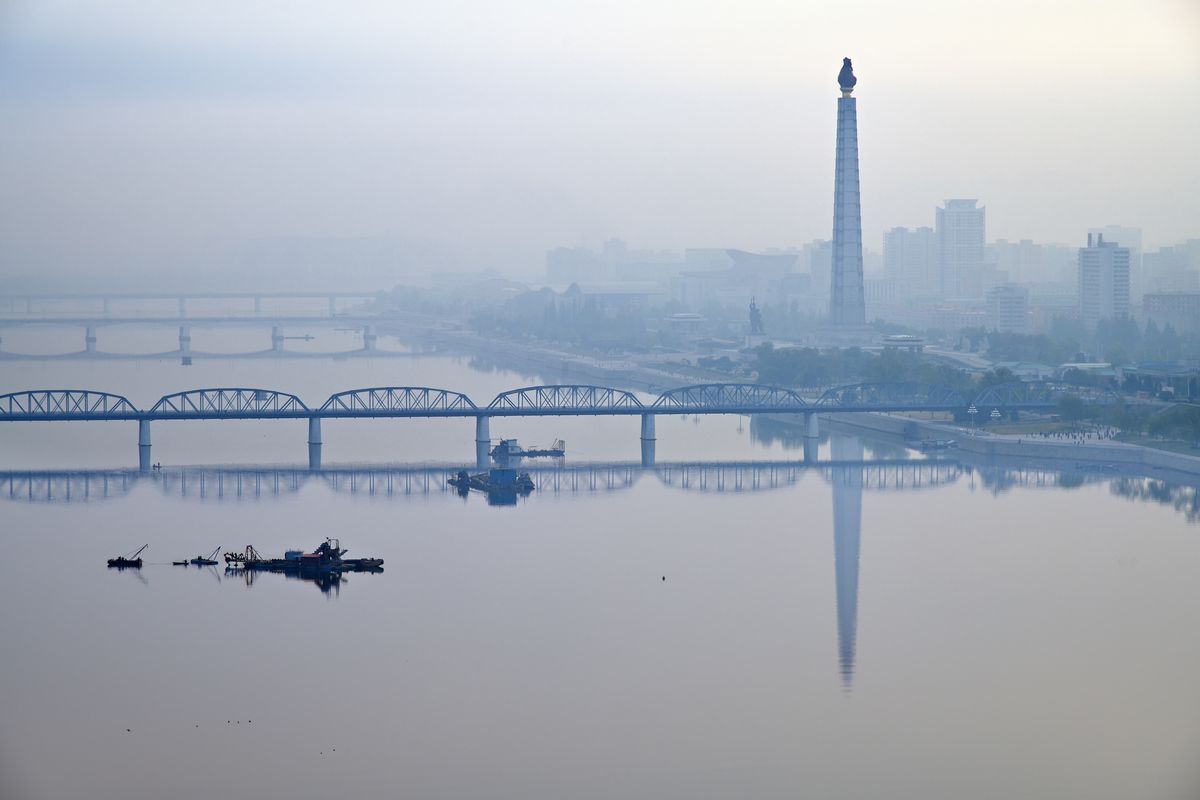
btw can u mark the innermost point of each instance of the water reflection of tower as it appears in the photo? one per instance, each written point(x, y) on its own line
point(847, 527)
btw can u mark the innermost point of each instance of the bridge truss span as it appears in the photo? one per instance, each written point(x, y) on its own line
point(401, 401)
point(734, 398)
point(228, 403)
point(65, 404)
point(549, 400)
point(1040, 394)
point(891, 396)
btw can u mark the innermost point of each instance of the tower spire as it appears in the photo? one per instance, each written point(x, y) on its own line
point(847, 307)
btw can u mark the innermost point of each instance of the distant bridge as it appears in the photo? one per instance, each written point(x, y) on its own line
point(233, 403)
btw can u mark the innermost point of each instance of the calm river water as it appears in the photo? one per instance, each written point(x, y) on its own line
point(702, 629)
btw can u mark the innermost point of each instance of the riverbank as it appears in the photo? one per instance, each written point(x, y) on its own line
point(1103, 453)
point(559, 366)
point(565, 367)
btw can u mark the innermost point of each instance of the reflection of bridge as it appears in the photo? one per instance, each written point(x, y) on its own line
point(532, 401)
point(847, 473)
point(256, 483)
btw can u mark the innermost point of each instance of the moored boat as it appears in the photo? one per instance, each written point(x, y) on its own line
point(133, 561)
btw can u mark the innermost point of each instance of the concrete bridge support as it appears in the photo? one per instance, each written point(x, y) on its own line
point(812, 437)
point(144, 445)
point(649, 440)
point(314, 442)
point(89, 339)
point(276, 339)
point(185, 339)
point(369, 339)
point(812, 426)
point(483, 441)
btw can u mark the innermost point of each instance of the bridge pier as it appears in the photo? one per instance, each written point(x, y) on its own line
point(314, 442)
point(104, 305)
point(182, 307)
point(649, 440)
point(332, 306)
point(812, 426)
point(483, 441)
point(89, 339)
point(369, 339)
point(144, 445)
point(276, 339)
point(185, 339)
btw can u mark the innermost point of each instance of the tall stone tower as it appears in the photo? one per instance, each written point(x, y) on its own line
point(847, 308)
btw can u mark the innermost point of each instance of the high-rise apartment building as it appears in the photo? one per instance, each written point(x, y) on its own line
point(1008, 309)
point(1130, 238)
point(1103, 280)
point(910, 259)
point(961, 232)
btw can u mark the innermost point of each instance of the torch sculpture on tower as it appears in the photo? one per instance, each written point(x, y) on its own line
point(847, 307)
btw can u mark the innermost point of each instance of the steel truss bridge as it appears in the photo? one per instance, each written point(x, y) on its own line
point(256, 483)
point(559, 400)
point(243, 403)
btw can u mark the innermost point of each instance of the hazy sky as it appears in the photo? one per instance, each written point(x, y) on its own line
point(138, 132)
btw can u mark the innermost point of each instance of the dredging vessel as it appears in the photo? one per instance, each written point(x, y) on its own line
point(128, 562)
point(326, 557)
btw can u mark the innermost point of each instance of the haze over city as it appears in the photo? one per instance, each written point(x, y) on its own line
point(479, 135)
point(591, 400)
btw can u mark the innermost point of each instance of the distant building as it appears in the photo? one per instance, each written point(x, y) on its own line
point(1172, 269)
point(733, 277)
point(1130, 238)
point(567, 265)
point(961, 232)
point(879, 293)
point(910, 259)
point(819, 254)
point(612, 299)
point(1030, 263)
point(1103, 281)
point(1008, 309)
point(1181, 310)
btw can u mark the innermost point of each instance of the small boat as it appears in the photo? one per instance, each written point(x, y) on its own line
point(133, 561)
point(207, 561)
point(183, 563)
point(509, 449)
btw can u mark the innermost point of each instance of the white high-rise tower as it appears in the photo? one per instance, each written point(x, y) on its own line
point(847, 307)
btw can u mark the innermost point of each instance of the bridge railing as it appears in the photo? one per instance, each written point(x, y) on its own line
point(576, 399)
point(229, 402)
point(65, 404)
point(735, 397)
point(1041, 393)
point(891, 395)
point(399, 400)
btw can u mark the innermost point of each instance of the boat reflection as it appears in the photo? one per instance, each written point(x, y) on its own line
point(328, 581)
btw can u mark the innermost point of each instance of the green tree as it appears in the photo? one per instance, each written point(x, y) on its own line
point(1071, 408)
